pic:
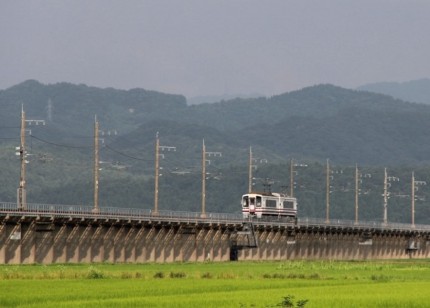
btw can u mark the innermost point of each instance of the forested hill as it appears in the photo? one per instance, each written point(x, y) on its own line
point(309, 125)
point(72, 108)
point(314, 123)
point(316, 102)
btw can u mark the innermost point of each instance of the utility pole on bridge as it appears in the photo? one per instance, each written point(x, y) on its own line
point(413, 200)
point(291, 178)
point(204, 153)
point(158, 147)
point(327, 195)
point(96, 166)
point(250, 171)
point(21, 193)
point(357, 190)
point(414, 187)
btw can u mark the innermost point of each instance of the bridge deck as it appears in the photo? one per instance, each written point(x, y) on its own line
point(44, 233)
point(84, 214)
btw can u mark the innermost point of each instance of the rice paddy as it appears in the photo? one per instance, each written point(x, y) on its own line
point(399, 283)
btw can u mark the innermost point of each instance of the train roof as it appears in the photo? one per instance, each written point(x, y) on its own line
point(269, 194)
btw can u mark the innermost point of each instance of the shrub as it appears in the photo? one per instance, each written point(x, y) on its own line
point(159, 275)
point(206, 275)
point(126, 275)
point(138, 275)
point(279, 276)
point(94, 273)
point(288, 301)
point(380, 278)
point(314, 276)
point(178, 275)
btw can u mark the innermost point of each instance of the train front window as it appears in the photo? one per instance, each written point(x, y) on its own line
point(245, 201)
point(258, 201)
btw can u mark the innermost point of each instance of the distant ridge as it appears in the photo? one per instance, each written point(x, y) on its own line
point(417, 91)
point(208, 99)
point(348, 126)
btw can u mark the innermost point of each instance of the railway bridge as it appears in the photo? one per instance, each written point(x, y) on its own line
point(43, 233)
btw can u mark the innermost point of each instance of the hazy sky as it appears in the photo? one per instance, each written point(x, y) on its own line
point(214, 47)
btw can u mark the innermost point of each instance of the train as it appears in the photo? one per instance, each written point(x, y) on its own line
point(270, 205)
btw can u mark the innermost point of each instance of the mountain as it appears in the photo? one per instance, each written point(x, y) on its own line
point(208, 99)
point(317, 122)
point(413, 91)
point(310, 125)
point(72, 108)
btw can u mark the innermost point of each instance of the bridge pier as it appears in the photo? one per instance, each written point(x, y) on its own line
point(97, 247)
point(46, 238)
point(28, 243)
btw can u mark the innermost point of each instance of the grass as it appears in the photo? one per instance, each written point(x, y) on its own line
point(402, 283)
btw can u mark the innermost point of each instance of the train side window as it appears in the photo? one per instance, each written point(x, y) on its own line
point(271, 203)
point(288, 205)
point(258, 201)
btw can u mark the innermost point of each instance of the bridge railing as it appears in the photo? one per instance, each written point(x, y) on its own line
point(361, 224)
point(34, 209)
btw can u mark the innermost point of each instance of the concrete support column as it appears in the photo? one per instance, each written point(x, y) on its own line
point(28, 244)
point(3, 238)
point(263, 245)
point(216, 248)
point(225, 246)
point(60, 244)
point(130, 245)
point(108, 244)
point(140, 245)
point(277, 245)
point(150, 244)
point(12, 244)
point(159, 245)
point(85, 235)
point(72, 243)
point(208, 245)
point(119, 245)
point(200, 246)
point(270, 245)
point(169, 245)
point(97, 243)
point(44, 247)
point(178, 242)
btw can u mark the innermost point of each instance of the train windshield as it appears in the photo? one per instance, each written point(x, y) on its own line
point(258, 201)
point(245, 201)
point(251, 201)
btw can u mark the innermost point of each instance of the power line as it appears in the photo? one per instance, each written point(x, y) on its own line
point(60, 145)
point(126, 155)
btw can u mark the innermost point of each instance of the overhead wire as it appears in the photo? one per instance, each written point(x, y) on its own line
point(169, 159)
point(60, 145)
point(126, 155)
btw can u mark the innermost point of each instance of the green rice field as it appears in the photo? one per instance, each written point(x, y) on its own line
point(399, 283)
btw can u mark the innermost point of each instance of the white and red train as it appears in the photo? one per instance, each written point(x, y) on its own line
point(262, 205)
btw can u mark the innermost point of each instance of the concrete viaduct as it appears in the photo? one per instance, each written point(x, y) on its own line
point(73, 234)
